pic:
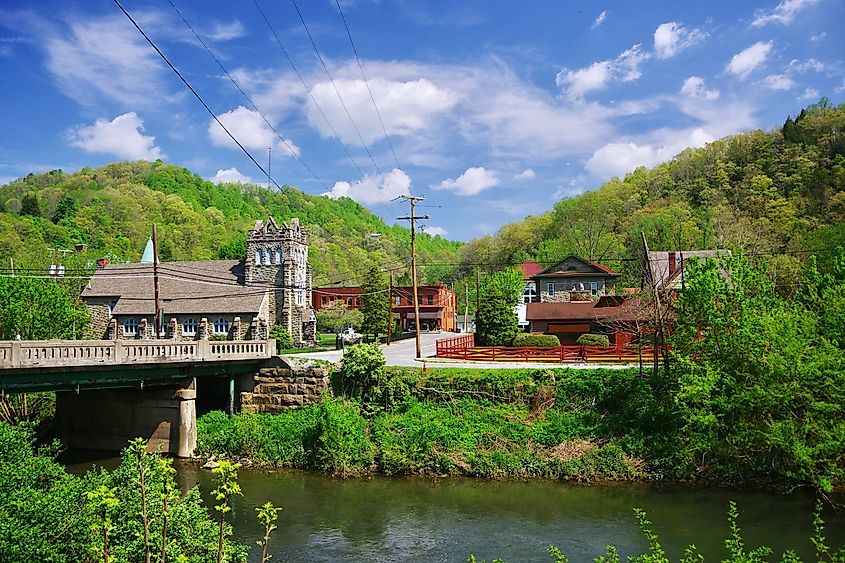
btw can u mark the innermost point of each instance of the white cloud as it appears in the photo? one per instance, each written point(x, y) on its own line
point(810, 65)
point(599, 19)
point(105, 58)
point(406, 107)
point(231, 175)
point(810, 94)
point(226, 31)
point(122, 137)
point(779, 82)
point(373, 189)
point(527, 174)
point(250, 129)
point(783, 13)
point(618, 159)
point(475, 180)
point(597, 76)
point(436, 231)
point(748, 59)
point(818, 37)
point(671, 38)
point(693, 87)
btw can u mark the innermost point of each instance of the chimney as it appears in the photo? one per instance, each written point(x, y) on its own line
point(673, 265)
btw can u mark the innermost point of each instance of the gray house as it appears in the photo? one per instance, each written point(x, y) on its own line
point(232, 299)
point(574, 279)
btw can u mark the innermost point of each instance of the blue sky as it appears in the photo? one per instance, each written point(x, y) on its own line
point(495, 109)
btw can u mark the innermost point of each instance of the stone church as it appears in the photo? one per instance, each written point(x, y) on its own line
point(211, 299)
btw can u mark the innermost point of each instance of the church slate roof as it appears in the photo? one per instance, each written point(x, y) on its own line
point(201, 287)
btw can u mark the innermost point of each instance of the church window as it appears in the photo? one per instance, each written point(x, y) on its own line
point(189, 326)
point(278, 256)
point(130, 327)
point(221, 326)
point(267, 256)
point(257, 256)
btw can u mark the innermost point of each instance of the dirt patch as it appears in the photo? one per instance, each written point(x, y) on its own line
point(567, 451)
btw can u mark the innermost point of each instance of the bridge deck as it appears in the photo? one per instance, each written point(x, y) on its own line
point(42, 354)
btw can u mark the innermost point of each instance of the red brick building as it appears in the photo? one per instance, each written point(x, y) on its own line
point(438, 304)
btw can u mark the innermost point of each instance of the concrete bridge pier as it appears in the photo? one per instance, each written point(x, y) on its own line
point(106, 419)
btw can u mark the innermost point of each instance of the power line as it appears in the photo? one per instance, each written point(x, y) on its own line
point(339, 97)
point(194, 92)
point(246, 97)
point(307, 88)
point(364, 76)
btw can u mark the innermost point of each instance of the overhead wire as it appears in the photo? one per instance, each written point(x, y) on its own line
point(367, 83)
point(249, 100)
point(307, 88)
point(334, 85)
point(194, 92)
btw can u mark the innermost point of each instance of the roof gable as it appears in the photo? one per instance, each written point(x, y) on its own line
point(574, 265)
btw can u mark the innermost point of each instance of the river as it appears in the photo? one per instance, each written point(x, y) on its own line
point(424, 519)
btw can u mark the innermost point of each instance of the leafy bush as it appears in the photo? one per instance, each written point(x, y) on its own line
point(342, 446)
point(363, 377)
point(593, 340)
point(218, 337)
point(525, 339)
point(45, 514)
point(283, 339)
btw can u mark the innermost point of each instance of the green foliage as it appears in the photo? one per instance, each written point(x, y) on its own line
point(66, 208)
point(47, 514)
point(39, 309)
point(525, 339)
point(226, 481)
point(759, 380)
point(342, 446)
point(593, 340)
point(30, 205)
point(495, 321)
point(283, 339)
point(267, 516)
point(363, 377)
point(376, 305)
point(336, 316)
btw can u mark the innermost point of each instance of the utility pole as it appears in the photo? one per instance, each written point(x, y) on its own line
point(413, 201)
point(477, 291)
point(155, 283)
point(466, 307)
point(390, 307)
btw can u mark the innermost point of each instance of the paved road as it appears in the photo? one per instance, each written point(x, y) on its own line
point(403, 353)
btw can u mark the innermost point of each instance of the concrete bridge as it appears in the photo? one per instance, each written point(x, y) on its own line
point(109, 391)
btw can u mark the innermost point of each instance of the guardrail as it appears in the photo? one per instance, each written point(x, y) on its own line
point(462, 348)
point(72, 353)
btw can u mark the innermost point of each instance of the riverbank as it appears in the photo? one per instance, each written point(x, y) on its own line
point(581, 425)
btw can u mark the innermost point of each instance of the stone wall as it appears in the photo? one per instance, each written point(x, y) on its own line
point(284, 387)
point(98, 310)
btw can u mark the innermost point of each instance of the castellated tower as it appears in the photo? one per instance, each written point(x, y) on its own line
point(277, 256)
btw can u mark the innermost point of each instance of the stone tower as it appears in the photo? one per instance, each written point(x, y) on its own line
point(277, 256)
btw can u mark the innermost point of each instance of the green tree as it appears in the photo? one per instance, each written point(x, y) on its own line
point(496, 322)
point(227, 487)
point(66, 208)
point(376, 302)
point(30, 205)
point(267, 516)
point(39, 309)
point(337, 315)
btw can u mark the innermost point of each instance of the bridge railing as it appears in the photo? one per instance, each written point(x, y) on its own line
point(71, 353)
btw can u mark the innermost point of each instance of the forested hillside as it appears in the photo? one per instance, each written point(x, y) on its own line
point(777, 196)
point(112, 209)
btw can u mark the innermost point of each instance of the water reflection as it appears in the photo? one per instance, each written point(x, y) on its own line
point(420, 519)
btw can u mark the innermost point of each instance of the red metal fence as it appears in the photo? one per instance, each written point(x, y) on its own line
point(463, 348)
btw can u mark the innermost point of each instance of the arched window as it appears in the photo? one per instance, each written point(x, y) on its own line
point(278, 256)
point(130, 327)
point(267, 256)
point(257, 256)
point(189, 326)
point(221, 326)
point(529, 294)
